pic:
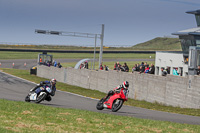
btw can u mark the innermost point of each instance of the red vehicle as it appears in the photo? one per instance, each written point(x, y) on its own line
point(113, 102)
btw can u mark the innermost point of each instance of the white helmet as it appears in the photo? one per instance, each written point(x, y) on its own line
point(53, 81)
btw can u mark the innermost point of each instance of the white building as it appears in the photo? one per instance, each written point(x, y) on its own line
point(190, 43)
point(171, 60)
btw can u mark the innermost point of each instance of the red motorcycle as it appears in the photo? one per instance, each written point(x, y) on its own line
point(113, 102)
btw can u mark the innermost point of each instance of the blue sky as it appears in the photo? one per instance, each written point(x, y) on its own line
point(127, 22)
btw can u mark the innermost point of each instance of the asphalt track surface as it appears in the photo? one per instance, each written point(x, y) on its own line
point(20, 63)
point(13, 88)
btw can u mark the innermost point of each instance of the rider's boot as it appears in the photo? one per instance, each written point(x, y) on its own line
point(110, 93)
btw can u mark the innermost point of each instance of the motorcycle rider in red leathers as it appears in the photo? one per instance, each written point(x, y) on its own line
point(125, 85)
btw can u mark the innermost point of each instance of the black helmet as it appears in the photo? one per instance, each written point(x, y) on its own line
point(125, 84)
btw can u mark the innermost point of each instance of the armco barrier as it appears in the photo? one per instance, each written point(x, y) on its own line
point(169, 90)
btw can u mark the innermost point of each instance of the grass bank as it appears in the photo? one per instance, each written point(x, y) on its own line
point(29, 117)
point(97, 94)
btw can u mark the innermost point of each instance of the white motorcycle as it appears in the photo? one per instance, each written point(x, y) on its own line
point(37, 98)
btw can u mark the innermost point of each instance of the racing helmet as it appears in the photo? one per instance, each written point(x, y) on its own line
point(53, 81)
point(125, 84)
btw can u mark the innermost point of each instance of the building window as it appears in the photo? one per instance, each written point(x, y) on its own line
point(198, 43)
point(185, 44)
point(198, 20)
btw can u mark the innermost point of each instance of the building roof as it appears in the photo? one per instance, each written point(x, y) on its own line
point(192, 31)
point(196, 12)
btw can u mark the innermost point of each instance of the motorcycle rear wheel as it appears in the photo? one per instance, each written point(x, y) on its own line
point(118, 105)
point(100, 104)
point(40, 98)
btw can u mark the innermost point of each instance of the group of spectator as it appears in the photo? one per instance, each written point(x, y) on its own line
point(166, 71)
point(55, 64)
point(141, 68)
point(119, 67)
point(50, 63)
point(144, 68)
point(103, 67)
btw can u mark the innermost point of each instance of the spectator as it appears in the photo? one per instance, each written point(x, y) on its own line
point(55, 64)
point(118, 63)
point(106, 68)
point(115, 66)
point(143, 67)
point(198, 70)
point(118, 68)
point(163, 72)
point(59, 65)
point(145, 64)
point(152, 69)
point(168, 70)
point(101, 67)
point(40, 60)
point(134, 68)
point(138, 67)
point(175, 71)
point(146, 70)
point(86, 65)
point(126, 68)
point(81, 66)
point(48, 63)
point(141, 70)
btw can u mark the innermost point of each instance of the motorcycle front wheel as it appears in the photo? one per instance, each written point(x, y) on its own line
point(100, 104)
point(117, 104)
point(41, 98)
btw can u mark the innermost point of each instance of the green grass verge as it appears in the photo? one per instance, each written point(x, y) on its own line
point(97, 94)
point(30, 117)
point(33, 55)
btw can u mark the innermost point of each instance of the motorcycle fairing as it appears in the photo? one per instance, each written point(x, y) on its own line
point(33, 96)
point(108, 104)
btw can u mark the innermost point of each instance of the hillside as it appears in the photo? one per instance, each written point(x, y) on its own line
point(159, 43)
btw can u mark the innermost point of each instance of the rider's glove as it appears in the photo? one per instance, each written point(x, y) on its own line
point(32, 89)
